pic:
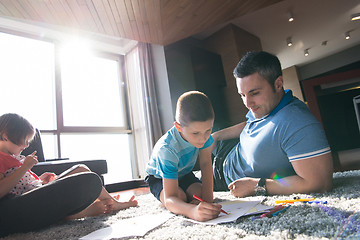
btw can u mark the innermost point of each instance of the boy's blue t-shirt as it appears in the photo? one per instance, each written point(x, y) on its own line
point(269, 144)
point(173, 157)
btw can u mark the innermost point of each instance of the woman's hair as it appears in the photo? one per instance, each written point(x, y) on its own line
point(16, 128)
point(263, 63)
point(193, 106)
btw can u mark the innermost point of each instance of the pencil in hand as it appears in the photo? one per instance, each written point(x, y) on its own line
point(202, 200)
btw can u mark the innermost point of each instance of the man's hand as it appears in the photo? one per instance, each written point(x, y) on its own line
point(243, 187)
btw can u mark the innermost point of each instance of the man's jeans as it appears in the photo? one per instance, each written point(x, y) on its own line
point(220, 152)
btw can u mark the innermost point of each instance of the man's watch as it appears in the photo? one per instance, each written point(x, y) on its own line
point(260, 188)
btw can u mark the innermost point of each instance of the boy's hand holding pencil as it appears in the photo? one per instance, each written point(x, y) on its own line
point(205, 211)
point(201, 200)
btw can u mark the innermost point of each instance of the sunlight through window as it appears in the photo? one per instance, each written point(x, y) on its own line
point(81, 110)
point(91, 91)
point(27, 79)
point(114, 148)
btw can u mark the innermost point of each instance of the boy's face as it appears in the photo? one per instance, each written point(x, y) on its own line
point(196, 133)
point(257, 94)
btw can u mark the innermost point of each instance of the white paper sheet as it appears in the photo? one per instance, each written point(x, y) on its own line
point(131, 227)
point(235, 209)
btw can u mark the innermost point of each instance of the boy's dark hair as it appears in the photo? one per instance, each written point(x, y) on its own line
point(264, 63)
point(16, 128)
point(193, 106)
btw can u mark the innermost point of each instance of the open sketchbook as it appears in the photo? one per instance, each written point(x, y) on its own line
point(236, 209)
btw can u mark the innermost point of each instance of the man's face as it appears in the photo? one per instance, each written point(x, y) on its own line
point(257, 94)
point(196, 133)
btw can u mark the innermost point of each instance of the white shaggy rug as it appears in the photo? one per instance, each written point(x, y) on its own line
point(338, 219)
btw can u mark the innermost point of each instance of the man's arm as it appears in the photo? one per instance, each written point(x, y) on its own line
point(312, 175)
point(229, 133)
point(206, 174)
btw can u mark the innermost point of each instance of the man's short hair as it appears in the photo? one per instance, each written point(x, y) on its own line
point(16, 128)
point(263, 63)
point(193, 106)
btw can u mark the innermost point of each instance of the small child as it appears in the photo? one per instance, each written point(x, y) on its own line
point(28, 201)
point(169, 170)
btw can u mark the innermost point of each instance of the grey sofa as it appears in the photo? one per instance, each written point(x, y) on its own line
point(57, 166)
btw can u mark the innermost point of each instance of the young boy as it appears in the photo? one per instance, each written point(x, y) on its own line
point(170, 175)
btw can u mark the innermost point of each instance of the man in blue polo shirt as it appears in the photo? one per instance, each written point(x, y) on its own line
point(282, 149)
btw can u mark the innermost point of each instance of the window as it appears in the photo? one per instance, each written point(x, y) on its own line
point(95, 83)
point(27, 79)
point(78, 100)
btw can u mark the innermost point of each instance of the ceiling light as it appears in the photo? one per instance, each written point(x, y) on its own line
point(347, 35)
point(291, 18)
point(306, 52)
point(289, 41)
point(355, 17)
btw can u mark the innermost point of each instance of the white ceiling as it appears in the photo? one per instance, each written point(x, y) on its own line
point(315, 21)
